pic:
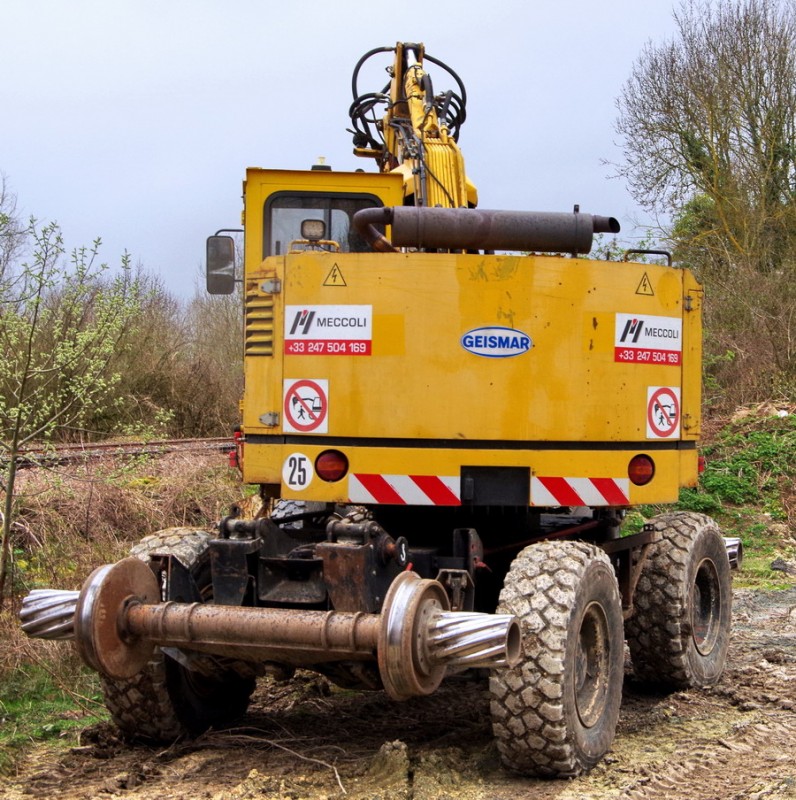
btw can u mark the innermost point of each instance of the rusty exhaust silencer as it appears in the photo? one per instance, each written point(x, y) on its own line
point(118, 620)
point(478, 229)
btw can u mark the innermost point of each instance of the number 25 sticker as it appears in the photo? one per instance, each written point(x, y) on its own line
point(297, 471)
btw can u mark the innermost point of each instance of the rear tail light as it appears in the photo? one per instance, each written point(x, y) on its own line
point(641, 470)
point(331, 465)
point(236, 454)
point(701, 464)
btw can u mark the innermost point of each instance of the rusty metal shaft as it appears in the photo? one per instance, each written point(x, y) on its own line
point(260, 633)
point(119, 620)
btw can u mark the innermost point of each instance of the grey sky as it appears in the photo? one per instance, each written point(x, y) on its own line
point(134, 120)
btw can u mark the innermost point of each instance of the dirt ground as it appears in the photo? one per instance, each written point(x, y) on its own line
point(307, 740)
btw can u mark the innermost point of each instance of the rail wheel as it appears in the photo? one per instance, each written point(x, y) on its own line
point(555, 714)
point(166, 700)
point(680, 630)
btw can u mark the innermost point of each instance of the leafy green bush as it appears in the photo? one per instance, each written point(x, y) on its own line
point(701, 501)
point(749, 459)
point(748, 487)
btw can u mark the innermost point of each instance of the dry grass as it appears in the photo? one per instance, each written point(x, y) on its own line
point(20, 655)
point(72, 519)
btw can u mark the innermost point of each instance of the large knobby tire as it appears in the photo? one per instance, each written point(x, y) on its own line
point(166, 701)
point(284, 509)
point(555, 714)
point(680, 629)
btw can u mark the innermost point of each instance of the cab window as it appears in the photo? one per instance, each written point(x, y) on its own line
point(285, 211)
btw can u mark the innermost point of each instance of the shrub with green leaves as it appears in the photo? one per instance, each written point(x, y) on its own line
point(61, 323)
point(748, 486)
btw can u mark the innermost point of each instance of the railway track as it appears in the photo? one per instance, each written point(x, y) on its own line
point(70, 453)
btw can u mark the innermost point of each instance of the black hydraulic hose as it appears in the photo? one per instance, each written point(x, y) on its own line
point(463, 98)
point(358, 113)
point(362, 61)
point(452, 74)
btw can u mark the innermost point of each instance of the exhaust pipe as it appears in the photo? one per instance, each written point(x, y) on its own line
point(478, 229)
point(117, 620)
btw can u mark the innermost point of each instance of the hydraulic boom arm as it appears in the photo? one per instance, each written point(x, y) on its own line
point(417, 134)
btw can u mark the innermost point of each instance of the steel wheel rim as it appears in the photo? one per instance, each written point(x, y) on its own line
point(592, 665)
point(706, 607)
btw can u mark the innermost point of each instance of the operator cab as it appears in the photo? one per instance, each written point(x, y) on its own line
point(280, 207)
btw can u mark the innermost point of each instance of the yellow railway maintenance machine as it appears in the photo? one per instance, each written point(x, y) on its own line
point(448, 412)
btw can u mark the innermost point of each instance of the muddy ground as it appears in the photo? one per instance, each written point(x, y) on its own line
point(307, 740)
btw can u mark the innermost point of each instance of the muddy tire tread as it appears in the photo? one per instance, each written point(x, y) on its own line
point(141, 706)
point(658, 632)
point(529, 721)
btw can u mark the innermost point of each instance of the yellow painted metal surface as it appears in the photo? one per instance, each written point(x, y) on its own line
point(274, 462)
point(421, 364)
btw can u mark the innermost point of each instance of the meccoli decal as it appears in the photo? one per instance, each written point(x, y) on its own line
point(646, 339)
point(328, 330)
point(496, 342)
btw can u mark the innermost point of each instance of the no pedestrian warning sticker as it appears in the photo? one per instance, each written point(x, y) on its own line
point(306, 406)
point(663, 412)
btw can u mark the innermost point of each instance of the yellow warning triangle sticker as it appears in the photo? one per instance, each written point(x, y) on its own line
point(645, 287)
point(335, 277)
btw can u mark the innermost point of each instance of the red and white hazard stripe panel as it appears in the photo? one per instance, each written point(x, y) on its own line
point(414, 490)
point(580, 491)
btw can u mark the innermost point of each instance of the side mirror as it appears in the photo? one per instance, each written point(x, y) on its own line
point(220, 265)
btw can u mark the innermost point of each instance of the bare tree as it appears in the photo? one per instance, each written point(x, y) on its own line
point(714, 110)
point(182, 369)
point(12, 232)
point(708, 121)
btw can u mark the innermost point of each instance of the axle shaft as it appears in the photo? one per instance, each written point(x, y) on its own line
point(118, 620)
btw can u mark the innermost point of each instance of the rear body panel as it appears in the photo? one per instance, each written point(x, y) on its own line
point(424, 368)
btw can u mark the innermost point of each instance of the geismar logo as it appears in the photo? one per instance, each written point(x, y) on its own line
point(496, 342)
